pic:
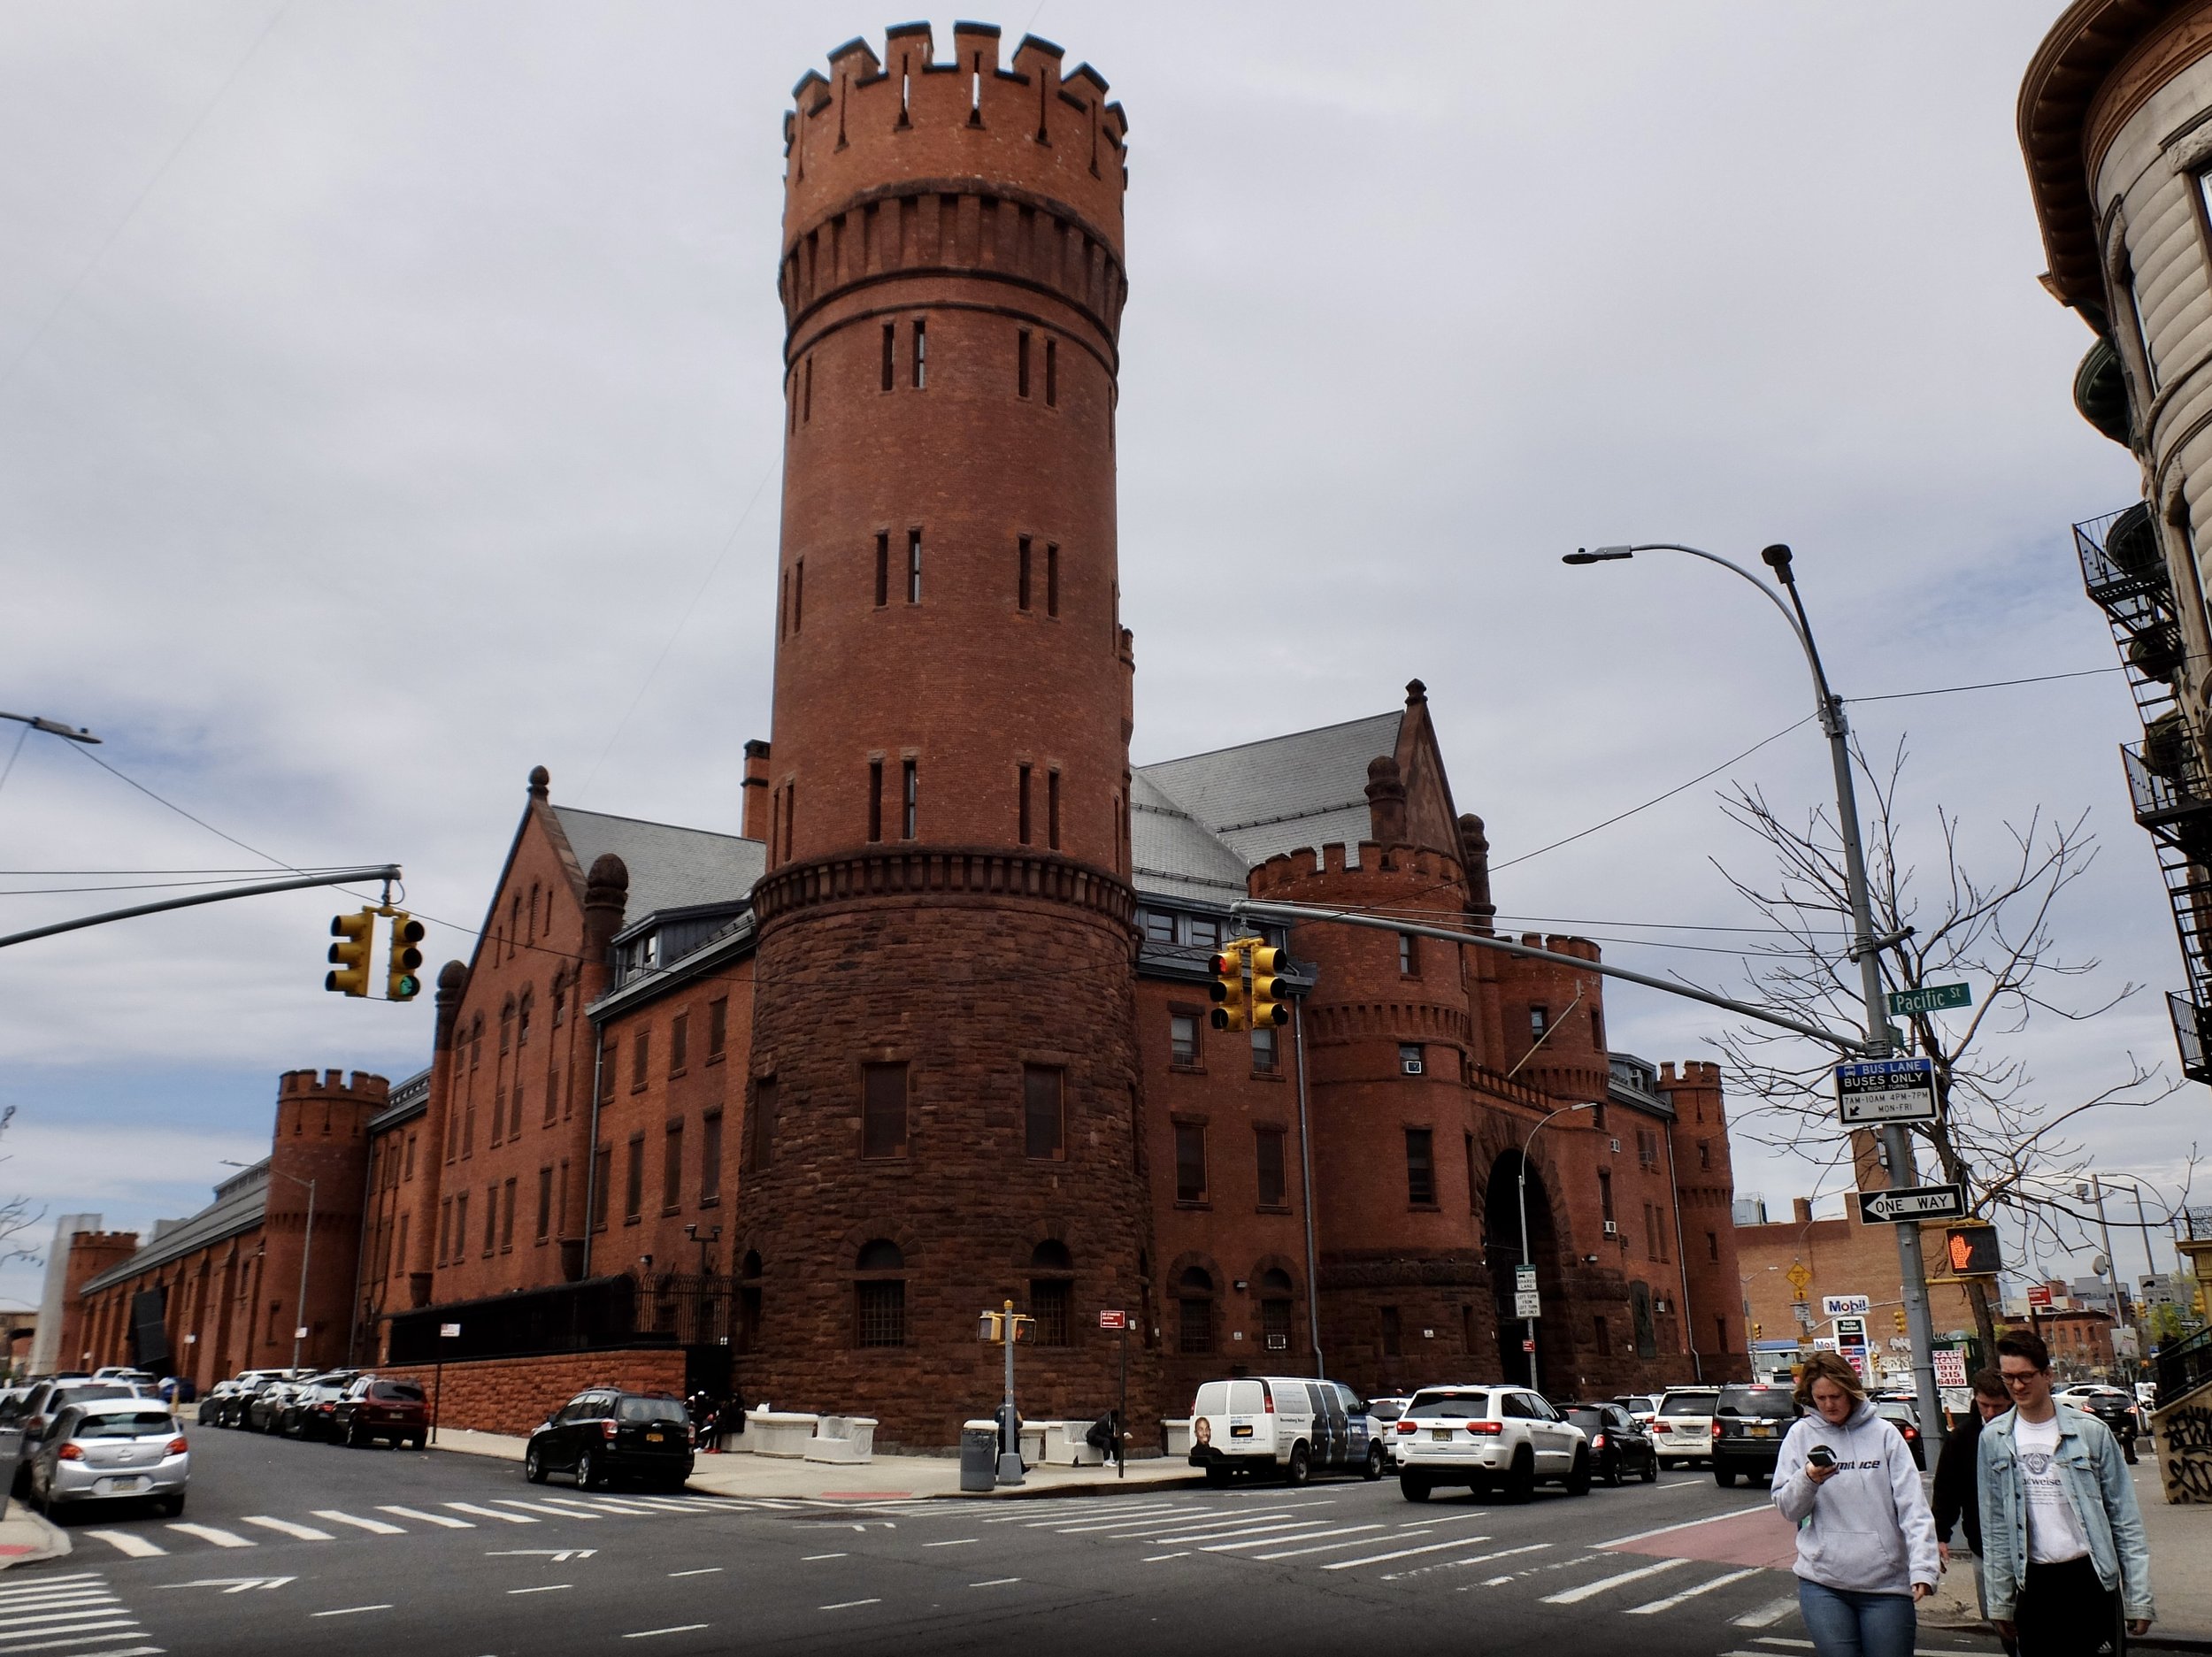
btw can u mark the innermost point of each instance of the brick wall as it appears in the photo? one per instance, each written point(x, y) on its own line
point(512, 1395)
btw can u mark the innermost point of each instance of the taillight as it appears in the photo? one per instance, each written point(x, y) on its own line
point(1407, 1426)
point(606, 1429)
point(175, 1446)
point(1598, 1443)
point(69, 1453)
point(1267, 1400)
point(1486, 1429)
point(1661, 1426)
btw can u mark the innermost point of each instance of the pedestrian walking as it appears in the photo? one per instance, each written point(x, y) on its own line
point(1866, 1542)
point(1957, 1487)
point(2063, 1554)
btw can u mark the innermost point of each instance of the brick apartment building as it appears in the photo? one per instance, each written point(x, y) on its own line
point(929, 1031)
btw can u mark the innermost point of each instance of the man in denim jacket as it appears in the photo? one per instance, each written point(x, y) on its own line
point(2064, 1555)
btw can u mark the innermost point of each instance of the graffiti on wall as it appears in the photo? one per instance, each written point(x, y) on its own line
point(2185, 1452)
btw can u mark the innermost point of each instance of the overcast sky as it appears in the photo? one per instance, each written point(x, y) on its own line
point(389, 402)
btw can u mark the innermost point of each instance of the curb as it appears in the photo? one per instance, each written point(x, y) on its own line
point(1090, 1487)
point(49, 1540)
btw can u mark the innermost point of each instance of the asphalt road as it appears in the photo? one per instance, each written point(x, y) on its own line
point(302, 1548)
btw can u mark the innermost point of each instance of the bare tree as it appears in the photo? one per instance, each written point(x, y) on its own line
point(2010, 1144)
point(18, 1217)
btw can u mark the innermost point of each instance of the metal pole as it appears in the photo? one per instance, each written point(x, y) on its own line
point(381, 872)
point(307, 1247)
point(1121, 1416)
point(1010, 1456)
point(2111, 1266)
point(1305, 1174)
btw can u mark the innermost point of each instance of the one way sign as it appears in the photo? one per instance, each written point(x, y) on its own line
point(1902, 1205)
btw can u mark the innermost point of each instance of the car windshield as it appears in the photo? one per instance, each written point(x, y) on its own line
point(125, 1423)
point(1386, 1409)
point(650, 1409)
point(83, 1394)
point(1773, 1402)
point(402, 1392)
point(1689, 1403)
point(1430, 1406)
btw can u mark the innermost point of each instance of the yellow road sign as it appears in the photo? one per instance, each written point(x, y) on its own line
point(1798, 1276)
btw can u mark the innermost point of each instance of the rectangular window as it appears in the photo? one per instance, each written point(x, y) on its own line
point(678, 1043)
point(1409, 954)
point(1182, 1039)
point(1393, 1337)
point(1195, 1327)
point(1052, 579)
point(881, 1308)
point(545, 1202)
point(1409, 1060)
point(1705, 1153)
point(1021, 361)
point(908, 798)
point(400, 1266)
point(913, 566)
point(1052, 373)
point(1605, 1194)
point(1421, 1167)
point(1651, 1233)
point(672, 1169)
point(1647, 1146)
point(718, 1026)
point(921, 354)
point(1597, 1029)
point(552, 1095)
point(507, 1217)
point(602, 1186)
point(1721, 1340)
point(1052, 810)
point(411, 1157)
point(761, 1127)
point(883, 569)
point(798, 596)
point(1538, 1020)
point(491, 1220)
point(1269, 1143)
point(806, 411)
point(1021, 573)
point(875, 801)
point(1049, 1304)
point(1159, 926)
point(1190, 1162)
point(890, 354)
point(883, 1110)
point(499, 1114)
point(1603, 1331)
point(445, 1229)
point(1712, 1244)
point(633, 1180)
point(1022, 813)
point(1265, 1059)
point(641, 1045)
point(460, 1226)
point(1044, 1110)
point(1205, 931)
point(710, 1159)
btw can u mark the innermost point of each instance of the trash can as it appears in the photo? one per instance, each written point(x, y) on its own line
point(978, 1455)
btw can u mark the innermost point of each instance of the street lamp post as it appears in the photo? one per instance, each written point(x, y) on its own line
point(1528, 1324)
point(1865, 946)
point(307, 1248)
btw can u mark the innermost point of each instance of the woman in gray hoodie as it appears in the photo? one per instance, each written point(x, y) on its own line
point(1866, 1542)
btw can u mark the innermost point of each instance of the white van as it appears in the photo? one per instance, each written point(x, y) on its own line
point(1283, 1424)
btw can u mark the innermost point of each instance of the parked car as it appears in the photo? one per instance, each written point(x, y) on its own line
point(247, 1385)
point(47, 1401)
point(1906, 1418)
point(1619, 1444)
point(1384, 1412)
point(312, 1412)
point(1749, 1424)
point(1481, 1436)
point(265, 1410)
point(125, 1372)
point(2114, 1406)
point(603, 1434)
point(372, 1407)
point(111, 1450)
point(1643, 1406)
point(1283, 1425)
point(1683, 1429)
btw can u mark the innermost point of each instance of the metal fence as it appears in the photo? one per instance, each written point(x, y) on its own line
point(669, 1308)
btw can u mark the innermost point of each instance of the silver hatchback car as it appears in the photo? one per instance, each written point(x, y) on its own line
point(111, 1450)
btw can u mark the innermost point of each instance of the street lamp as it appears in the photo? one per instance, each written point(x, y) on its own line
point(1528, 1324)
point(1865, 946)
point(307, 1247)
point(53, 727)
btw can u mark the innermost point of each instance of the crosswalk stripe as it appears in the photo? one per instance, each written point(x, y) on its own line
point(608, 1504)
point(91, 1590)
point(286, 1527)
point(28, 1623)
point(213, 1533)
point(1403, 1553)
point(46, 1585)
point(1132, 1522)
point(88, 1635)
point(374, 1527)
point(1503, 1553)
point(546, 1507)
point(60, 1605)
point(1591, 1589)
point(1324, 1547)
point(1211, 1533)
point(1766, 1616)
point(1269, 1541)
point(488, 1513)
point(438, 1519)
point(1673, 1601)
point(1223, 1522)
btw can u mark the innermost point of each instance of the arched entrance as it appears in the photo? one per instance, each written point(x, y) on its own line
point(1502, 1233)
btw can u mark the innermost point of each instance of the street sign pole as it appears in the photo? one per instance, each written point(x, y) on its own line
point(1121, 1418)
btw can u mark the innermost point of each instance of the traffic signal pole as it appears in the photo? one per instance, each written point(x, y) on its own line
point(335, 877)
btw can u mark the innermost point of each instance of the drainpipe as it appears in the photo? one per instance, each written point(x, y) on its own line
point(1305, 1174)
point(1681, 1259)
point(591, 1157)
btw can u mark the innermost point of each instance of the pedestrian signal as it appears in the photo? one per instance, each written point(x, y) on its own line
point(1232, 1008)
point(357, 939)
point(1898, 1317)
point(1970, 1251)
point(401, 983)
point(1270, 992)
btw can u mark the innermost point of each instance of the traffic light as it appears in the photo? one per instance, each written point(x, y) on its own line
point(356, 940)
point(991, 1328)
point(1233, 1009)
point(1970, 1250)
point(400, 983)
point(1270, 992)
point(1898, 1319)
point(1758, 1330)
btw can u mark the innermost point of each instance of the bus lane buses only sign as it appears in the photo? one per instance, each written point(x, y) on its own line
point(1886, 1090)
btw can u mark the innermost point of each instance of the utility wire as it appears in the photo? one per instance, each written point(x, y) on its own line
point(14, 754)
point(1993, 684)
point(180, 811)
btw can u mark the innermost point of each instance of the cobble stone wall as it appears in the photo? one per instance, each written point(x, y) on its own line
point(513, 1396)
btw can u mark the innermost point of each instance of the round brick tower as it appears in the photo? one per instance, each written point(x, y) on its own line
point(943, 1104)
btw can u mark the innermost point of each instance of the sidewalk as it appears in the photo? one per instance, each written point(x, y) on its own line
point(886, 1478)
point(26, 1538)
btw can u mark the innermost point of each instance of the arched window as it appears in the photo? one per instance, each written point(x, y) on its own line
point(522, 1020)
point(879, 1297)
point(531, 937)
point(1052, 1293)
point(1194, 1331)
point(507, 1024)
point(514, 922)
point(1275, 1309)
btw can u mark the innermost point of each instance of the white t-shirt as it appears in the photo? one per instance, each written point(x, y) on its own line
point(2054, 1532)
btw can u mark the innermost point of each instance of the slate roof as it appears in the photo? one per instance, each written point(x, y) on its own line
point(409, 1098)
point(240, 1202)
point(671, 868)
point(1199, 823)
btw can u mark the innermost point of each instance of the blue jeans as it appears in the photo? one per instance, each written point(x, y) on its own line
point(1847, 1624)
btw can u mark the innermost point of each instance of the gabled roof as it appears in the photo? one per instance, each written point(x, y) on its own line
point(670, 868)
point(240, 1202)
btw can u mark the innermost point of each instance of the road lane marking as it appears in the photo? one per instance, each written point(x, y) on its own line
point(1684, 1524)
point(60, 1605)
point(438, 1519)
point(703, 1570)
point(546, 1508)
point(1324, 1547)
point(995, 1581)
point(68, 1616)
point(965, 1541)
point(1673, 1601)
point(550, 1587)
point(1403, 1553)
point(681, 1628)
point(609, 1505)
point(285, 1527)
point(1591, 1589)
point(350, 1610)
point(1503, 1553)
point(846, 1604)
point(1281, 1527)
point(1766, 1616)
point(374, 1527)
point(1154, 1559)
point(211, 1533)
point(488, 1513)
point(1269, 1541)
point(84, 1634)
point(808, 1558)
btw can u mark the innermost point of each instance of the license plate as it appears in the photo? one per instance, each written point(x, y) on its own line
point(125, 1485)
point(1761, 1429)
point(1442, 1435)
point(655, 1438)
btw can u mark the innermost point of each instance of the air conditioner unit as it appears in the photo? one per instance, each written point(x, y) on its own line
point(1278, 1343)
point(1411, 1067)
point(1662, 1305)
point(1611, 1230)
point(1616, 1146)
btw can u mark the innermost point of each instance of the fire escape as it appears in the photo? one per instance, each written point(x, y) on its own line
point(2168, 783)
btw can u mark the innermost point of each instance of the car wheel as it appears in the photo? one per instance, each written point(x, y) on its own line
point(1578, 1474)
point(353, 1438)
point(1651, 1468)
point(1413, 1486)
point(534, 1465)
point(588, 1477)
point(2128, 1450)
point(1373, 1470)
point(1616, 1471)
point(170, 1507)
point(1301, 1468)
point(1216, 1476)
point(421, 1441)
point(1724, 1477)
point(1520, 1484)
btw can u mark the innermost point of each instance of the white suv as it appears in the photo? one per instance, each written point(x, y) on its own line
point(1480, 1436)
point(1682, 1429)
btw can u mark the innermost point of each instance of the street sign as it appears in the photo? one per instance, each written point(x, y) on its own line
point(1528, 1346)
point(1934, 998)
point(446, 1331)
point(2039, 1294)
point(1113, 1320)
point(1525, 1280)
point(1903, 1205)
point(1526, 1304)
point(1950, 1366)
point(1886, 1090)
point(1845, 1305)
point(1800, 1275)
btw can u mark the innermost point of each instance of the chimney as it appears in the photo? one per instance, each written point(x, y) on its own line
point(1474, 854)
point(755, 822)
point(1386, 802)
point(1801, 1210)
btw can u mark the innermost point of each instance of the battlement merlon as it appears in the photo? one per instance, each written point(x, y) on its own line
point(875, 120)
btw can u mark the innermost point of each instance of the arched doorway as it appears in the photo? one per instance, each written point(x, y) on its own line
point(1501, 1232)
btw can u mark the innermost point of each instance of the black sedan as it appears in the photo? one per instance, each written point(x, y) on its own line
point(1620, 1445)
point(604, 1434)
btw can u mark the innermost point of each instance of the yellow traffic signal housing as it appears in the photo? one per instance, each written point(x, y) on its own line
point(991, 1328)
point(1898, 1317)
point(1232, 1008)
point(1970, 1250)
point(1270, 991)
point(402, 982)
point(356, 940)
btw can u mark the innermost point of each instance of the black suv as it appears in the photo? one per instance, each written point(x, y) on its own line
point(2111, 1406)
point(604, 1433)
point(1749, 1424)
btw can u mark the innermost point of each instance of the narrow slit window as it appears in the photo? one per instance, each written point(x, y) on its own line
point(1021, 577)
point(908, 792)
point(921, 354)
point(1024, 814)
point(798, 596)
point(1052, 810)
point(791, 399)
point(890, 354)
point(883, 1110)
point(783, 605)
point(913, 566)
point(883, 569)
point(806, 398)
point(1052, 579)
point(1052, 373)
point(875, 800)
point(1021, 363)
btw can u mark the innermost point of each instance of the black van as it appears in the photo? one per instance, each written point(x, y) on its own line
point(1749, 1424)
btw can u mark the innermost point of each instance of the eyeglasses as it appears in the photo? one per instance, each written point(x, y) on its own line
point(2022, 1378)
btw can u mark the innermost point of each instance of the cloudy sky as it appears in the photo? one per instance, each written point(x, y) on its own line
point(389, 402)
